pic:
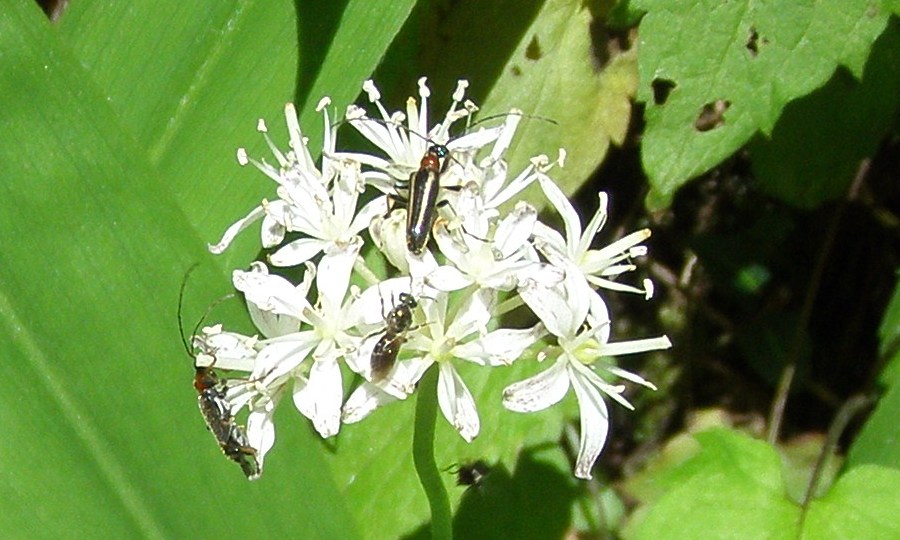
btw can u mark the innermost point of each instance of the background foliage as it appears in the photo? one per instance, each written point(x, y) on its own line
point(119, 123)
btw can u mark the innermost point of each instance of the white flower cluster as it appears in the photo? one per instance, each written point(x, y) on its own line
point(485, 262)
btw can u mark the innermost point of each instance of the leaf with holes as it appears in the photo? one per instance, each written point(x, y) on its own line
point(714, 73)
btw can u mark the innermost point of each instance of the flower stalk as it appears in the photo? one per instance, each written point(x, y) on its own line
point(424, 460)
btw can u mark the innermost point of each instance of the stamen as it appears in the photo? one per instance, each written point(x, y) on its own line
point(370, 89)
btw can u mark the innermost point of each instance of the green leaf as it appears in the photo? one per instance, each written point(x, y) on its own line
point(818, 144)
point(864, 503)
point(877, 441)
point(555, 72)
point(118, 127)
point(732, 489)
point(714, 73)
point(106, 433)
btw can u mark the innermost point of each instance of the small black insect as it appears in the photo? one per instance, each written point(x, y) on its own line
point(397, 323)
point(216, 411)
point(472, 474)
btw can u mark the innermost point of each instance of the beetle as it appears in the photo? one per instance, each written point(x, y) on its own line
point(212, 401)
point(424, 185)
point(397, 323)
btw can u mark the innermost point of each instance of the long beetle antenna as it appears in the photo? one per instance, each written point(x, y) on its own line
point(184, 341)
point(184, 281)
point(513, 113)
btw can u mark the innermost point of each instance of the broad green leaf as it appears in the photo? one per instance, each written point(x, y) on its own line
point(817, 146)
point(94, 164)
point(712, 74)
point(732, 488)
point(864, 503)
point(103, 426)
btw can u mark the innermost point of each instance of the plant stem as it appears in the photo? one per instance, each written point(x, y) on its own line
point(423, 456)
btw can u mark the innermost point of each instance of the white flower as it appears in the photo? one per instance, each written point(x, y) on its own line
point(405, 145)
point(320, 205)
point(441, 341)
point(317, 389)
point(490, 175)
point(597, 266)
point(479, 253)
point(454, 294)
point(581, 352)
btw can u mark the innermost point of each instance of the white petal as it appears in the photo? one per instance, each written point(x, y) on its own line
point(360, 359)
point(500, 347)
point(544, 275)
point(456, 403)
point(375, 207)
point(594, 426)
point(345, 194)
point(261, 429)
point(506, 134)
point(272, 232)
point(588, 375)
point(280, 357)
point(594, 226)
point(493, 180)
point(549, 238)
point(320, 398)
point(225, 350)
point(391, 238)
point(402, 381)
point(636, 346)
point(456, 251)
point(515, 229)
point(629, 376)
point(298, 144)
point(571, 221)
point(473, 316)
point(540, 391)
point(420, 266)
point(234, 229)
point(448, 279)
point(562, 308)
point(334, 273)
point(363, 401)
point(519, 183)
point(475, 140)
point(269, 292)
point(272, 324)
point(297, 252)
point(598, 315)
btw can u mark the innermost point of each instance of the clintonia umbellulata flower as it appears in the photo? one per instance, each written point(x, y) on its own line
point(484, 260)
